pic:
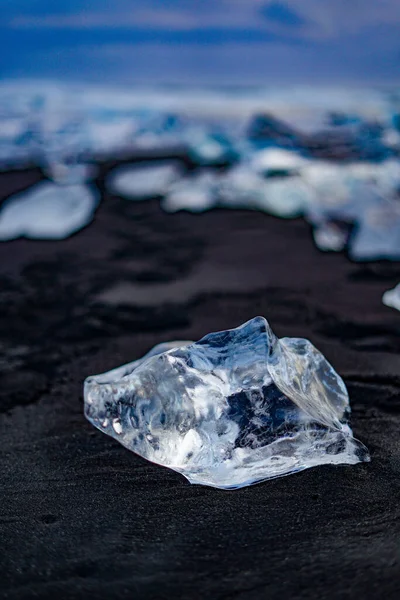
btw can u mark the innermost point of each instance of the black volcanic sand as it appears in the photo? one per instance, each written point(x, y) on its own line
point(81, 517)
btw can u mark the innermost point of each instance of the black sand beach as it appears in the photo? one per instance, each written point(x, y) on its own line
point(81, 517)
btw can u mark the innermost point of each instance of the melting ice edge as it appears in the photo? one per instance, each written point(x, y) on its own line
point(235, 408)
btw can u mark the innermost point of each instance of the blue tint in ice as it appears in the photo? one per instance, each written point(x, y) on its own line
point(236, 408)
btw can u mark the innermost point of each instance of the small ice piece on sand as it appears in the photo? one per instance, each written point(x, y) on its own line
point(235, 408)
point(47, 211)
point(378, 233)
point(330, 237)
point(347, 191)
point(277, 160)
point(392, 297)
point(143, 179)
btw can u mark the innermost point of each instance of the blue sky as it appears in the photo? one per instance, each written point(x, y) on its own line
point(202, 41)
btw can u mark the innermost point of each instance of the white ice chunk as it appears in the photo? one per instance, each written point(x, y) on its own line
point(143, 179)
point(286, 197)
point(47, 211)
point(392, 297)
point(330, 237)
point(378, 233)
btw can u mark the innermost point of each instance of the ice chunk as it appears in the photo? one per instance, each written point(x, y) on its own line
point(378, 233)
point(144, 179)
point(286, 197)
point(237, 407)
point(47, 211)
point(346, 191)
point(239, 187)
point(392, 297)
point(330, 236)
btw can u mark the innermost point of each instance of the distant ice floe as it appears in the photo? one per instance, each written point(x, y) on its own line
point(143, 180)
point(329, 155)
point(391, 298)
point(47, 211)
point(332, 198)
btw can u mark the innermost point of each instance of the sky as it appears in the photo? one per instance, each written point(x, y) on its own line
point(228, 42)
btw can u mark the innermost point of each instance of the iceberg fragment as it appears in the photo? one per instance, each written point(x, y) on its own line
point(330, 236)
point(378, 233)
point(235, 408)
point(47, 211)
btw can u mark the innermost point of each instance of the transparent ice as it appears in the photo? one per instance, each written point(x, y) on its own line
point(235, 408)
